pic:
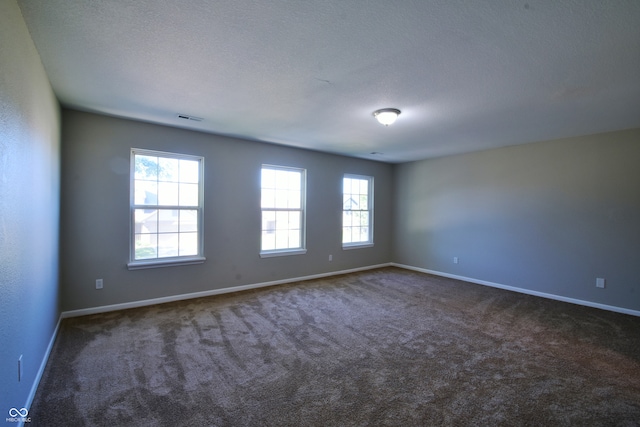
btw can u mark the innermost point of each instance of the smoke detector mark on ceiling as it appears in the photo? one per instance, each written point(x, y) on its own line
point(188, 117)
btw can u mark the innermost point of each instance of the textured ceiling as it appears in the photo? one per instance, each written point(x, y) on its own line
point(467, 75)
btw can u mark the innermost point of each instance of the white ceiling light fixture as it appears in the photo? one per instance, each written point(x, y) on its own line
point(386, 116)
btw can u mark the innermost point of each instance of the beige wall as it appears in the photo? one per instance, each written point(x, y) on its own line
point(95, 212)
point(29, 209)
point(548, 217)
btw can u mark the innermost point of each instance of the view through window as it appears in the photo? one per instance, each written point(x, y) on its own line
point(282, 204)
point(166, 206)
point(357, 210)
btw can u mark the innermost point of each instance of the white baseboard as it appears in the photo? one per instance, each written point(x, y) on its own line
point(172, 298)
point(523, 291)
point(43, 365)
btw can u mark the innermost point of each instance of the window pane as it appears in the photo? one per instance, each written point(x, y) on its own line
point(268, 178)
point(268, 198)
point(347, 218)
point(188, 220)
point(282, 239)
point(188, 244)
point(282, 180)
point(346, 236)
point(168, 169)
point(350, 203)
point(362, 219)
point(146, 167)
point(282, 220)
point(146, 246)
point(145, 192)
point(268, 221)
point(293, 199)
point(346, 186)
point(364, 186)
point(167, 220)
point(188, 194)
point(268, 241)
point(168, 245)
point(294, 239)
point(189, 171)
point(282, 199)
point(294, 220)
point(294, 180)
point(168, 194)
point(146, 221)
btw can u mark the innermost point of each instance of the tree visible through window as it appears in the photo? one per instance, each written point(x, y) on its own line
point(166, 206)
point(357, 210)
point(282, 203)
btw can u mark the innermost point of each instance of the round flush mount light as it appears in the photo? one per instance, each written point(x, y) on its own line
point(386, 116)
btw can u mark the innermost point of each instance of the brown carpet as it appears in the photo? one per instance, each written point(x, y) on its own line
point(382, 347)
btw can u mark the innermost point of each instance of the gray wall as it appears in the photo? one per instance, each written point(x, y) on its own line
point(95, 212)
point(548, 217)
point(29, 209)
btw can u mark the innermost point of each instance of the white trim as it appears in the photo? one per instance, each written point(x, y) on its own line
point(523, 290)
point(370, 209)
point(153, 301)
point(266, 253)
point(43, 365)
point(282, 252)
point(146, 263)
point(349, 246)
point(165, 262)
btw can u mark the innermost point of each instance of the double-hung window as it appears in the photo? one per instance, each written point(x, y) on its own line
point(166, 209)
point(283, 211)
point(357, 211)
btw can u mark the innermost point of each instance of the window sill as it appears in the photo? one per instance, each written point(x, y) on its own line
point(271, 254)
point(170, 262)
point(356, 246)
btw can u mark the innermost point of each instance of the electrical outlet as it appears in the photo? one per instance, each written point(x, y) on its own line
point(20, 368)
point(455, 259)
point(330, 257)
point(600, 282)
point(99, 283)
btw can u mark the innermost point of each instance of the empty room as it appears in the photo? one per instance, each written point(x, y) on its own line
point(332, 213)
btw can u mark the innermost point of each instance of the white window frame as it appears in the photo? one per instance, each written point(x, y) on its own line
point(198, 258)
point(369, 209)
point(266, 253)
